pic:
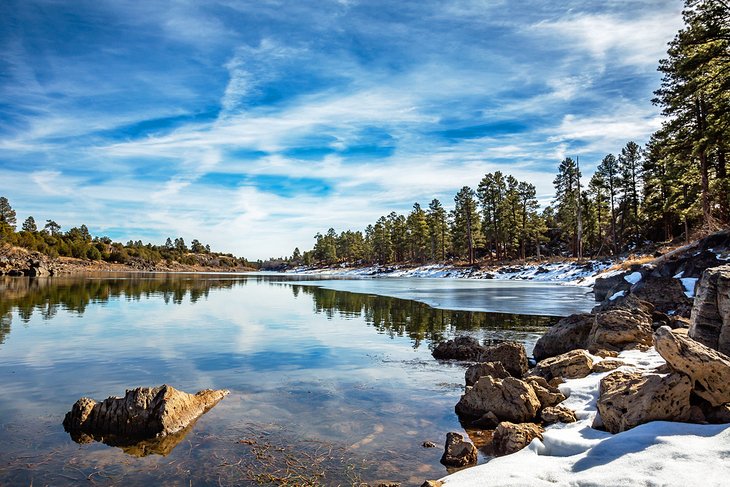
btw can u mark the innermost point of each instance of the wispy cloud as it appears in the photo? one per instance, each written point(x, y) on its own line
point(252, 125)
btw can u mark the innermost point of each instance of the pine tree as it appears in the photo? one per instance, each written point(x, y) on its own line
point(608, 171)
point(567, 201)
point(438, 230)
point(29, 225)
point(467, 236)
point(418, 233)
point(7, 214)
point(629, 162)
point(492, 190)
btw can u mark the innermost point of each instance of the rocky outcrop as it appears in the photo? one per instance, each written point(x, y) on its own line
point(142, 413)
point(567, 334)
point(557, 414)
point(457, 452)
point(621, 324)
point(571, 365)
point(460, 348)
point(511, 355)
point(708, 369)
point(509, 437)
point(629, 399)
point(710, 321)
point(510, 399)
point(493, 369)
point(546, 394)
point(665, 293)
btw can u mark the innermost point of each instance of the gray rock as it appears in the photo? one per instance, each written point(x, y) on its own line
point(710, 320)
point(460, 348)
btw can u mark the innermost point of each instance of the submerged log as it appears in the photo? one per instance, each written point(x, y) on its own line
point(142, 413)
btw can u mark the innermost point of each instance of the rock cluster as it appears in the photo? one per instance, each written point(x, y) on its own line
point(15, 262)
point(142, 413)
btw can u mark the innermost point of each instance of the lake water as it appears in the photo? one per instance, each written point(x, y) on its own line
point(328, 386)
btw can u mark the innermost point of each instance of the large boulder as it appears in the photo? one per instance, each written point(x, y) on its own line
point(457, 452)
point(665, 293)
point(460, 348)
point(510, 399)
point(567, 334)
point(710, 321)
point(510, 438)
point(621, 324)
point(512, 355)
point(142, 413)
point(493, 369)
point(571, 365)
point(708, 369)
point(628, 399)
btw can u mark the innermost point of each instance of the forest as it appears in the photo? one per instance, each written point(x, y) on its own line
point(675, 187)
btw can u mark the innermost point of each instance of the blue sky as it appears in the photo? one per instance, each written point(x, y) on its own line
point(252, 125)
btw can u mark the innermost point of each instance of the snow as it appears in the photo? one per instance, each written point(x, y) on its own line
point(617, 295)
point(633, 278)
point(657, 453)
point(689, 286)
point(583, 274)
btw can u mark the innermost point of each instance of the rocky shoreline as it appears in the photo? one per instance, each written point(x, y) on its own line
point(506, 407)
point(18, 262)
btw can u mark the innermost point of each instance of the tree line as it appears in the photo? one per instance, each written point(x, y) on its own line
point(79, 243)
point(675, 185)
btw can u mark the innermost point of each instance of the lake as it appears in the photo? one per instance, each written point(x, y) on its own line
point(332, 381)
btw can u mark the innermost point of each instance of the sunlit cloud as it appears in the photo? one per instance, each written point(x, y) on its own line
point(253, 125)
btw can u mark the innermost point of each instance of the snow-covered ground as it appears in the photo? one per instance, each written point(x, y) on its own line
point(659, 453)
point(566, 272)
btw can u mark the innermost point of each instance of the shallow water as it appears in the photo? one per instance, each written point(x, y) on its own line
point(327, 387)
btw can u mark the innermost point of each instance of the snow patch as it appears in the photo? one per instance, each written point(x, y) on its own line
point(689, 284)
point(617, 295)
point(633, 278)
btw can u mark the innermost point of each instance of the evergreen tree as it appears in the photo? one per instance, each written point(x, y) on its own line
point(438, 230)
point(567, 201)
point(7, 214)
point(418, 233)
point(608, 171)
point(492, 190)
point(467, 236)
point(629, 162)
point(29, 225)
point(52, 227)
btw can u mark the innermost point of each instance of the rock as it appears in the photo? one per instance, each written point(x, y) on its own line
point(603, 353)
point(567, 334)
point(460, 348)
point(510, 399)
point(457, 452)
point(665, 293)
point(428, 444)
point(622, 324)
point(710, 320)
point(716, 414)
point(510, 438)
point(558, 414)
point(606, 287)
point(546, 394)
point(697, 264)
point(494, 369)
point(432, 483)
point(708, 369)
point(571, 365)
point(628, 399)
point(606, 365)
point(512, 355)
point(142, 413)
point(488, 422)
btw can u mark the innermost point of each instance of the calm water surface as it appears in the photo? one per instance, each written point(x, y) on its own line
point(328, 387)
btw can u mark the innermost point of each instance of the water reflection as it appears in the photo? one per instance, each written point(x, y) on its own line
point(417, 321)
point(391, 316)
